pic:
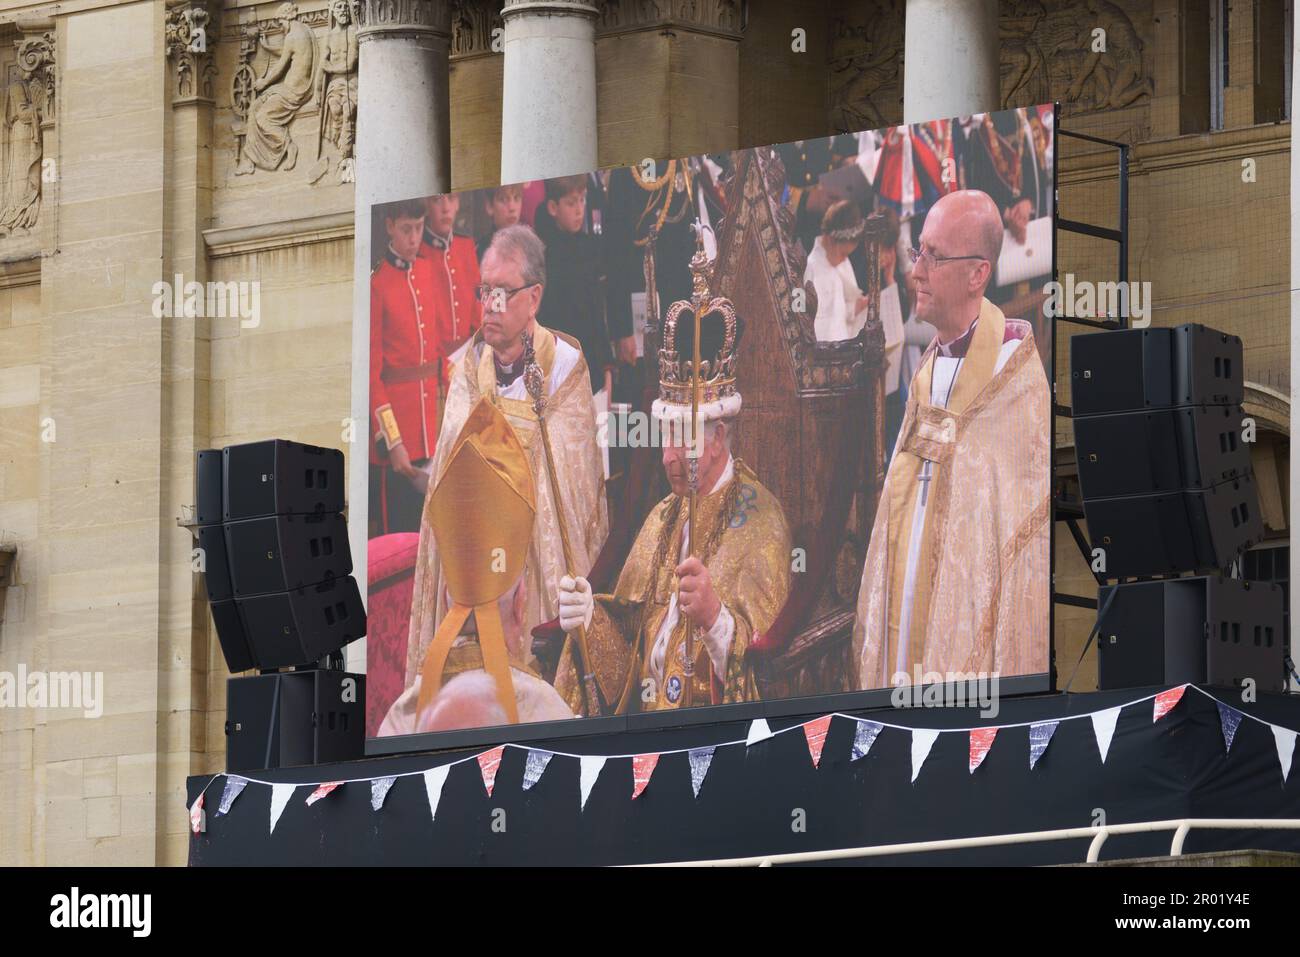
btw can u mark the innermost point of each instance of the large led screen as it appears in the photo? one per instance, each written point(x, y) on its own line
point(758, 425)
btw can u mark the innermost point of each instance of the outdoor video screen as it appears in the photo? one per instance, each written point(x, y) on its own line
point(744, 426)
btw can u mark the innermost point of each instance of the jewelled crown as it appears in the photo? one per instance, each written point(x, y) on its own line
point(718, 329)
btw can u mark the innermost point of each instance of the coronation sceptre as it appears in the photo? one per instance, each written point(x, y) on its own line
point(536, 387)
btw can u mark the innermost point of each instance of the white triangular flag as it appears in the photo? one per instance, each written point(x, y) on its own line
point(1285, 742)
point(758, 731)
point(588, 771)
point(280, 794)
point(1103, 726)
point(434, 778)
point(922, 741)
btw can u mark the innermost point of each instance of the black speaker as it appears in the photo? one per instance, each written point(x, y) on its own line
point(1176, 531)
point(1137, 453)
point(1128, 370)
point(1204, 630)
point(294, 718)
point(216, 565)
point(280, 552)
point(208, 481)
point(235, 645)
point(303, 624)
point(278, 477)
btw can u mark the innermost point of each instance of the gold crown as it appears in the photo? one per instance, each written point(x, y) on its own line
point(482, 509)
point(718, 320)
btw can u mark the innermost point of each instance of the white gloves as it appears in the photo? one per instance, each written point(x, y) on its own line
point(575, 603)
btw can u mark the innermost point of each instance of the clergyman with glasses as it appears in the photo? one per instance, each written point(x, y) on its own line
point(956, 570)
point(495, 366)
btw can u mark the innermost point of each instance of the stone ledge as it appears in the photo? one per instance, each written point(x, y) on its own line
point(238, 240)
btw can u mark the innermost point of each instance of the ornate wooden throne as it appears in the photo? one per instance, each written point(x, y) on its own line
point(812, 427)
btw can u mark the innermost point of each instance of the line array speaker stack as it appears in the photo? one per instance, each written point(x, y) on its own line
point(1166, 480)
point(278, 572)
point(275, 544)
point(1168, 488)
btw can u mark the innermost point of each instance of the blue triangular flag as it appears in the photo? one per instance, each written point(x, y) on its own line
point(864, 736)
point(379, 788)
point(234, 787)
point(534, 765)
point(700, 760)
point(1040, 735)
point(1229, 721)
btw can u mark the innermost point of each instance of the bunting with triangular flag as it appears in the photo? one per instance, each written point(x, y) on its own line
point(1040, 736)
point(234, 787)
point(922, 741)
point(1284, 740)
point(864, 736)
point(323, 791)
point(379, 789)
point(434, 779)
point(814, 733)
point(1103, 726)
point(488, 764)
point(758, 731)
point(196, 815)
point(643, 765)
point(700, 759)
point(1229, 721)
point(280, 794)
point(534, 764)
point(981, 739)
point(589, 768)
point(1165, 702)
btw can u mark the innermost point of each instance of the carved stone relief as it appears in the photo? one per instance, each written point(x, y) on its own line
point(1050, 50)
point(190, 33)
point(27, 111)
point(289, 65)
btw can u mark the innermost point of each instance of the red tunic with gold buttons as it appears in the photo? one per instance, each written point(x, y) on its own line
point(406, 357)
point(455, 277)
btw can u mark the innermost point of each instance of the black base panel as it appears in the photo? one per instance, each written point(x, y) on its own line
point(1171, 769)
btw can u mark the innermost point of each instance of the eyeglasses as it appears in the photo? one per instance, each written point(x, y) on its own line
point(931, 260)
point(485, 293)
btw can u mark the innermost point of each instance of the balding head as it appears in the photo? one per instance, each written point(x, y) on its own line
point(468, 700)
point(963, 237)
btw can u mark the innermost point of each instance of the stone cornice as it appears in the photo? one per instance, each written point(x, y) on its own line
point(1197, 149)
point(239, 240)
point(722, 18)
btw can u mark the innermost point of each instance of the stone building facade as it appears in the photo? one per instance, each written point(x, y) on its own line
point(236, 142)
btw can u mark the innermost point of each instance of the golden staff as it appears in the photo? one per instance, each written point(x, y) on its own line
point(693, 475)
point(537, 391)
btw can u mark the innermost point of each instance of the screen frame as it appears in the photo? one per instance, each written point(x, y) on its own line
point(1037, 683)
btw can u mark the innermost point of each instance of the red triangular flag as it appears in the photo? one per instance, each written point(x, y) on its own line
point(322, 791)
point(488, 762)
point(643, 765)
point(196, 816)
point(981, 739)
point(1165, 702)
point(815, 732)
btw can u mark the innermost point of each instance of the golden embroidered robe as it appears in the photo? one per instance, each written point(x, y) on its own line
point(981, 579)
point(745, 544)
point(571, 423)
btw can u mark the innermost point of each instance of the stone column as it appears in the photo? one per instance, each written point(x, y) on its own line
point(548, 125)
point(951, 65)
point(403, 150)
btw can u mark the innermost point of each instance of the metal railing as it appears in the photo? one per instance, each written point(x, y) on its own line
point(1099, 833)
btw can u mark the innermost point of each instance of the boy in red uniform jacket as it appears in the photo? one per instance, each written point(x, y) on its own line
point(455, 275)
point(406, 360)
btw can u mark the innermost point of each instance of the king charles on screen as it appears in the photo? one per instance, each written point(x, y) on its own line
point(956, 575)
